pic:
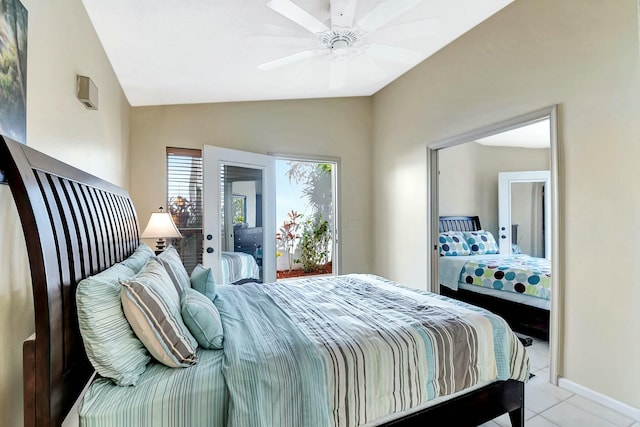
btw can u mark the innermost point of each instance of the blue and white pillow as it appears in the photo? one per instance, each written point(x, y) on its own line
point(453, 243)
point(112, 346)
point(139, 258)
point(170, 260)
point(481, 242)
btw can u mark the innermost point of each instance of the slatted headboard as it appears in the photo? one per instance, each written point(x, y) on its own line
point(75, 225)
point(459, 223)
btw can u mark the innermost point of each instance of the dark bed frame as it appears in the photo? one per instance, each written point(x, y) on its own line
point(522, 318)
point(76, 225)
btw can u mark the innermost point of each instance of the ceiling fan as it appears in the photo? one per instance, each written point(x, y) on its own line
point(347, 37)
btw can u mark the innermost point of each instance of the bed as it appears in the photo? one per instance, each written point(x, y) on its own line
point(239, 267)
point(517, 287)
point(78, 226)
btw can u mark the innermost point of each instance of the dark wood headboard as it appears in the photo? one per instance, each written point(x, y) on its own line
point(459, 223)
point(75, 225)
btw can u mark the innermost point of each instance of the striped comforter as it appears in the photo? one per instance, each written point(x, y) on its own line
point(238, 265)
point(347, 350)
point(326, 351)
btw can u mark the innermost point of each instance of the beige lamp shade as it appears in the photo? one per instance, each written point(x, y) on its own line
point(161, 227)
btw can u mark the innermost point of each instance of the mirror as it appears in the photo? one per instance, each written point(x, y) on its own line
point(464, 175)
point(525, 215)
point(527, 218)
point(241, 211)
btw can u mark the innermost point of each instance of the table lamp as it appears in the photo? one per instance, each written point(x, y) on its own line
point(161, 227)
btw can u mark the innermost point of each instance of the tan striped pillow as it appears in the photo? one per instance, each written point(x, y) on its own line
point(150, 306)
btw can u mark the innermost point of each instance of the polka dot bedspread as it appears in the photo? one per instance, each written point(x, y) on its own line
point(521, 274)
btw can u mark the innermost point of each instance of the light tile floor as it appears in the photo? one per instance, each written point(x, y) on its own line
point(549, 406)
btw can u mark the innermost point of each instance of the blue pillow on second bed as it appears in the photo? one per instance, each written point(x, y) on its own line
point(481, 242)
point(453, 243)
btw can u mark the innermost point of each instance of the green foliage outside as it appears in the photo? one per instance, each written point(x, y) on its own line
point(238, 208)
point(314, 244)
point(288, 235)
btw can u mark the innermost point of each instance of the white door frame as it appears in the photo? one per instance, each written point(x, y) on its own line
point(555, 326)
point(213, 158)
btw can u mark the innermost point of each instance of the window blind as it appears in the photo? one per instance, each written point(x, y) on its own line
point(184, 202)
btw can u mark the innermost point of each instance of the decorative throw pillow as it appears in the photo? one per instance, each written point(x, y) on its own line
point(452, 243)
point(139, 258)
point(152, 307)
point(111, 345)
point(203, 280)
point(202, 318)
point(170, 260)
point(481, 242)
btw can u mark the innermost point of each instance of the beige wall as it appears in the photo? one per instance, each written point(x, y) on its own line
point(338, 127)
point(468, 181)
point(61, 44)
point(582, 55)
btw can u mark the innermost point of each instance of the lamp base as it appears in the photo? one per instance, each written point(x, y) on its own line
point(160, 245)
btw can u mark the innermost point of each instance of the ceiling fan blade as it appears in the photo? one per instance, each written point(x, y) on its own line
point(298, 15)
point(278, 30)
point(342, 13)
point(338, 74)
point(290, 59)
point(280, 41)
point(385, 12)
point(409, 30)
point(395, 54)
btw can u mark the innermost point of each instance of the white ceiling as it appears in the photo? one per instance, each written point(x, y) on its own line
point(535, 135)
point(200, 51)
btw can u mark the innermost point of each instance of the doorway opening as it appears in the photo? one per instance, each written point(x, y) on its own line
point(306, 212)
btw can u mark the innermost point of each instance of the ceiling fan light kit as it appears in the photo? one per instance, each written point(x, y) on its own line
point(341, 38)
point(346, 40)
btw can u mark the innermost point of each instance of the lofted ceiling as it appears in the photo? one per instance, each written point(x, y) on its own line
point(201, 51)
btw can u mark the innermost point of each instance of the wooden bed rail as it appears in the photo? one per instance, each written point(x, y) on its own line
point(75, 225)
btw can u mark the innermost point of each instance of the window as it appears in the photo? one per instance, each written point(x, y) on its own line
point(184, 202)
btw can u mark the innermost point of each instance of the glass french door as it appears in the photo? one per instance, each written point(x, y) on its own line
point(239, 213)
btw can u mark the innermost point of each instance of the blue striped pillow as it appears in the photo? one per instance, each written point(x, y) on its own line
point(139, 258)
point(152, 307)
point(202, 318)
point(111, 345)
point(171, 261)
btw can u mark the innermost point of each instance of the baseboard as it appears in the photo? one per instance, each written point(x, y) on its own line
point(613, 404)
